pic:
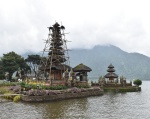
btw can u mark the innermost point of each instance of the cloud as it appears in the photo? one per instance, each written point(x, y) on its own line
point(23, 24)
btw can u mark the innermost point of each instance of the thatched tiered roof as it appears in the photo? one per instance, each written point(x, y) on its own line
point(82, 68)
point(61, 67)
point(111, 73)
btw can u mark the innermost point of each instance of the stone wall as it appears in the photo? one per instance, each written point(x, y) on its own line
point(63, 95)
point(117, 85)
point(122, 89)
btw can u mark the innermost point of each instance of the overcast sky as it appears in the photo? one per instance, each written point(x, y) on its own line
point(123, 23)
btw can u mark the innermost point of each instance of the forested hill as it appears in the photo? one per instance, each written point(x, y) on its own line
point(130, 65)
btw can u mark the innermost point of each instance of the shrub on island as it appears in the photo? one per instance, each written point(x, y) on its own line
point(137, 82)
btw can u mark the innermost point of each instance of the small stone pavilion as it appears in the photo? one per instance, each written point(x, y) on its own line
point(111, 75)
point(81, 72)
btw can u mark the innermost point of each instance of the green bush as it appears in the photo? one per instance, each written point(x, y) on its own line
point(4, 89)
point(45, 87)
point(39, 86)
point(83, 86)
point(22, 84)
point(58, 87)
point(9, 84)
point(17, 98)
point(137, 82)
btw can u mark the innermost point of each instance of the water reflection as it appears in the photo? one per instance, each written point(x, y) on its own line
point(135, 105)
point(61, 109)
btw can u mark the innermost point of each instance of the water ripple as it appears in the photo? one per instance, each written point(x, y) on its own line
point(135, 105)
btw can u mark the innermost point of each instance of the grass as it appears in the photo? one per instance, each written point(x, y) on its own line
point(5, 89)
point(122, 89)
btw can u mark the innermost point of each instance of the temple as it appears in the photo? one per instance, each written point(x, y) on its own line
point(111, 75)
point(55, 64)
point(111, 79)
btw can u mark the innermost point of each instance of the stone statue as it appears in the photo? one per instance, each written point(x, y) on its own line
point(124, 81)
point(73, 77)
point(19, 72)
point(6, 75)
point(117, 80)
point(66, 77)
point(121, 80)
point(101, 81)
point(131, 83)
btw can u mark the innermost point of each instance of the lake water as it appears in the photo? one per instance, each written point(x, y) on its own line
point(135, 105)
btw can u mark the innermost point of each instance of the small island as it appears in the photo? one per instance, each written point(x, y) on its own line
point(56, 79)
point(111, 83)
point(61, 80)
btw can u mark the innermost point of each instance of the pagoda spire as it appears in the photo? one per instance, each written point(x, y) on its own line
point(111, 75)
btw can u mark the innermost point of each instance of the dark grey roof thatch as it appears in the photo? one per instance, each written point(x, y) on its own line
point(81, 67)
point(62, 67)
point(111, 70)
point(111, 75)
point(110, 66)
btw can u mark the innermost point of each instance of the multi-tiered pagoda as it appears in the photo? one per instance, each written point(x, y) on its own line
point(56, 63)
point(111, 75)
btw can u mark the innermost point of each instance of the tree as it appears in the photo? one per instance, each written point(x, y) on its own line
point(33, 61)
point(1, 70)
point(11, 62)
point(137, 82)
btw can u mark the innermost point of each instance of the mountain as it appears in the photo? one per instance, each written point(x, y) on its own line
point(130, 65)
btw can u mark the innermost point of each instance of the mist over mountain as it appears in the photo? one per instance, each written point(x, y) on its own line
point(130, 65)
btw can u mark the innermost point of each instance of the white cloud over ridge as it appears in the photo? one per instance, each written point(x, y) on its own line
point(125, 23)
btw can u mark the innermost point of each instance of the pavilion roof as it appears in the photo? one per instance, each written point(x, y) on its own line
point(62, 67)
point(111, 70)
point(110, 66)
point(111, 75)
point(81, 67)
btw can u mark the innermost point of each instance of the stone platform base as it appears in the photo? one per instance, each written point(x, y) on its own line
point(63, 95)
point(122, 89)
